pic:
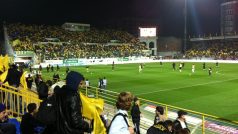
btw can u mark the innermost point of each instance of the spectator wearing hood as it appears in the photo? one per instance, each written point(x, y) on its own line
point(70, 120)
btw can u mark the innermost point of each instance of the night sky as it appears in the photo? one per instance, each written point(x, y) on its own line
point(167, 15)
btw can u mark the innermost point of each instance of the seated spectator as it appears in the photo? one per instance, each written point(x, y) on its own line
point(162, 127)
point(5, 128)
point(180, 123)
point(119, 123)
point(29, 123)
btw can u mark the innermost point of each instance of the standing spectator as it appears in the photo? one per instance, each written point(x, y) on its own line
point(69, 115)
point(135, 114)
point(5, 128)
point(29, 123)
point(159, 115)
point(119, 123)
point(13, 76)
point(180, 122)
point(104, 83)
point(29, 81)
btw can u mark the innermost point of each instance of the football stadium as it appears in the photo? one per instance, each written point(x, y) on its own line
point(121, 73)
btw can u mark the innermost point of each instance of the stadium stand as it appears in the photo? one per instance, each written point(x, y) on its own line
point(54, 42)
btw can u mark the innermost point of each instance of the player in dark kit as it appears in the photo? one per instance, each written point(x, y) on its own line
point(210, 71)
point(217, 64)
point(174, 65)
point(113, 66)
point(204, 66)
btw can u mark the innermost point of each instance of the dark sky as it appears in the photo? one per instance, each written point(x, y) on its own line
point(167, 15)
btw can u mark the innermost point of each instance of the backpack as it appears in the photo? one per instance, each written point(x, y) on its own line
point(119, 114)
point(47, 111)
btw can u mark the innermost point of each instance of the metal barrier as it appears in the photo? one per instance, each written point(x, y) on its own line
point(199, 123)
point(16, 100)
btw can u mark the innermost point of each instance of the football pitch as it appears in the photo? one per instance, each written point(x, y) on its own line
point(215, 95)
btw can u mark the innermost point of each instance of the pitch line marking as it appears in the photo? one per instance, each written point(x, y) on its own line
point(170, 89)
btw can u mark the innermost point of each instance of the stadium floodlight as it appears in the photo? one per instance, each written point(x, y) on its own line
point(185, 26)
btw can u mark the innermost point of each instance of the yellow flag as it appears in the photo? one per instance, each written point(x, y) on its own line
point(1, 63)
point(92, 108)
point(3, 76)
point(5, 62)
point(23, 80)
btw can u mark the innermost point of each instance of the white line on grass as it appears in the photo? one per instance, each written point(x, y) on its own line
point(170, 89)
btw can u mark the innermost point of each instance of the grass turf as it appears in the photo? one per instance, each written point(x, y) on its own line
point(215, 95)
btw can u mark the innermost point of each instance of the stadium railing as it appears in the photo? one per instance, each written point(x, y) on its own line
point(199, 123)
point(16, 99)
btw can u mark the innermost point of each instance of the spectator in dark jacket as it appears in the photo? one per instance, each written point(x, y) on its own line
point(69, 113)
point(161, 128)
point(29, 81)
point(13, 76)
point(135, 114)
point(180, 123)
point(29, 123)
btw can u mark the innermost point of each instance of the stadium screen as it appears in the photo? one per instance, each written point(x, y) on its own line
point(147, 32)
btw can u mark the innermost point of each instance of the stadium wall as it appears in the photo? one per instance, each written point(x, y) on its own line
point(125, 60)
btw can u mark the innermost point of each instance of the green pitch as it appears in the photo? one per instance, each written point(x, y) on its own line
point(215, 95)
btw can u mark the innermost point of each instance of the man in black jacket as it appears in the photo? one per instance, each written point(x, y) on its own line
point(69, 112)
point(13, 76)
point(29, 123)
point(161, 128)
point(180, 123)
point(135, 114)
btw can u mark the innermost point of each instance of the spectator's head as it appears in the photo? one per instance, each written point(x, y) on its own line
point(169, 125)
point(124, 101)
point(49, 83)
point(73, 80)
point(3, 112)
point(181, 114)
point(159, 110)
point(31, 108)
point(136, 101)
point(43, 90)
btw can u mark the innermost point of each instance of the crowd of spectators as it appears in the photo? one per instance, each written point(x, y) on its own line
point(214, 50)
point(54, 42)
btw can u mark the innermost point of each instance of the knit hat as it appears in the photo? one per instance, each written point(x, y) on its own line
point(73, 80)
point(2, 107)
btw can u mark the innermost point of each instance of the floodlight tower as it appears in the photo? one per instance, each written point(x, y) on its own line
point(185, 26)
